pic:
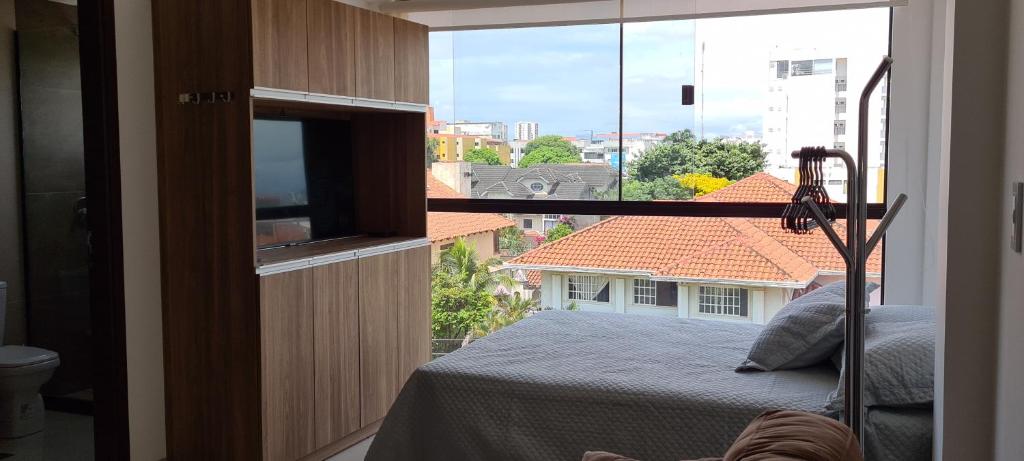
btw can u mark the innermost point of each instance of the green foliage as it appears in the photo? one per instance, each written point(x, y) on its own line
point(549, 155)
point(553, 141)
point(512, 241)
point(681, 153)
point(702, 184)
point(666, 188)
point(508, 310)
point(462, 290)
point(484, 155)
point(557, 232)
point(432, 144)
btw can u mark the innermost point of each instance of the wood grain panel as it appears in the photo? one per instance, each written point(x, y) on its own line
point(336, 345)
point(410, 212)
point(375, 55)
point(378, 334)
point(332, 61)
point(413, 311)
point(210, 307)
point(279, 44)
point(288, 365)
point(412, 62)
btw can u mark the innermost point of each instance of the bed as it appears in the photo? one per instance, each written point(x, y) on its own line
point(560, 383)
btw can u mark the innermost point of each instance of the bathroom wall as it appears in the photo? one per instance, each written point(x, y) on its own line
point(11, 263)
point(56, 250)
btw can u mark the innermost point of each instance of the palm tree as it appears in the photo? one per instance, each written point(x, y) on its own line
point(461, 261)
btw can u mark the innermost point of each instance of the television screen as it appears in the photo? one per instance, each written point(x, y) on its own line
point(303, 180)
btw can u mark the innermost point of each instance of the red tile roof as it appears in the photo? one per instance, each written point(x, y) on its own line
point(447, 226)
point(752, 250)
point(760, 188)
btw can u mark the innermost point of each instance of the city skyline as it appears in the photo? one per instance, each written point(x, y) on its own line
point(566, 78)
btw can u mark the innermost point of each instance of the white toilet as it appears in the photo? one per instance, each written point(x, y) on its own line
point(23, 370)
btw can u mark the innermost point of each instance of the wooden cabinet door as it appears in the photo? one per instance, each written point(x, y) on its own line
point(413, 311)
point(287, 364)
point(279, 54)
point(411, 62)
point(378, 334)
point(375, 55)
point(332, 61)
point(336, 348)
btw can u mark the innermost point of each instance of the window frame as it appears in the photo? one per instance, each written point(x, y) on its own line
point(742, 297)
point(598, 278)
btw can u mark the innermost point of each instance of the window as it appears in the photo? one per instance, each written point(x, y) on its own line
point(801, 68)
point(840, 105)
point(650, 293)
point(550, 221)
point(447, 246)
point(527, 223)
point(822, 66)
point(722, 301)
point(840, 127)
point(840, 84)
point(588, 288)
point(781, 69)
point(644, 292)
point(839, 145)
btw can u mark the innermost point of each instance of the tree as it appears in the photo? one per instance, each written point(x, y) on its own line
point(702, 184)
point(557, 232)
point(549, 155)
point(462, 290)
point(666, 188)
point(512, 241)
point(432, 144)
point(508, 310)
point(681, 153)
point(553, 141)
point(484, 155)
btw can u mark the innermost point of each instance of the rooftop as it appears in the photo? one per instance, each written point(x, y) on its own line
point(572, 181)
point(754, 251)
point(447, 226)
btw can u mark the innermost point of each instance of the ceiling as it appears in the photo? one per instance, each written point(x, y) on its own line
point(438, 5)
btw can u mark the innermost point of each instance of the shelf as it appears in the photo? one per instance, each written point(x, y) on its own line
point(284, 259)
point(340, 101)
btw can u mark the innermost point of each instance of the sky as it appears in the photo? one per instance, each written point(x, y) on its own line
point(567, 78)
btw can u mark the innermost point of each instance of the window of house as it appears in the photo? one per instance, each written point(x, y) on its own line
point(839, 145)
point(447, 246)
point(651, 293)
point(588, 288)
point(840, 105)
point(723, 301)
point(527, 223)
point(550, 221)
point(840, 84)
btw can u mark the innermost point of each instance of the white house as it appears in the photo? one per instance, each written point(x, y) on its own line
point(740, 269)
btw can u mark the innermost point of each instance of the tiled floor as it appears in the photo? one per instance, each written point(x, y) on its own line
point(67, 437)
point(356, 453)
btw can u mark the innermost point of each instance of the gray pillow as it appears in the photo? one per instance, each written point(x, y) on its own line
point(803, 333)
point(899, 358)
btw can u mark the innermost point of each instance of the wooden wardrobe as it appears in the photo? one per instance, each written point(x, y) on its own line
point(298, 352)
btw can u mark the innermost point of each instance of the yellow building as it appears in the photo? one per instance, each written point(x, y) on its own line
point(451, 147)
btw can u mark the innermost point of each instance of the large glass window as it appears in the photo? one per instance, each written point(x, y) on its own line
point(534, 114)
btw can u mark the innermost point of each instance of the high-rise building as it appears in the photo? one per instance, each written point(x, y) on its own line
point(527, 131)
point(812, 101)
point(493, 130)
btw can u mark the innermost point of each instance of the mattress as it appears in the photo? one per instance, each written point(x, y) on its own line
point(560, 383)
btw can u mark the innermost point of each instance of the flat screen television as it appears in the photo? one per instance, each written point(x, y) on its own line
point(303, 180)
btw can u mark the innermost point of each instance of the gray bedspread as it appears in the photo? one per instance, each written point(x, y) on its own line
point(898, 434)
point(560, 383)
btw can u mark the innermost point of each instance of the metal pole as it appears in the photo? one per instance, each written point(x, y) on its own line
point(855, 292)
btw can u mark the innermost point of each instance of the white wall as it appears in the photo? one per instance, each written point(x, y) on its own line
point(971, 232)
point(1010, 402)
point(136, 111)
